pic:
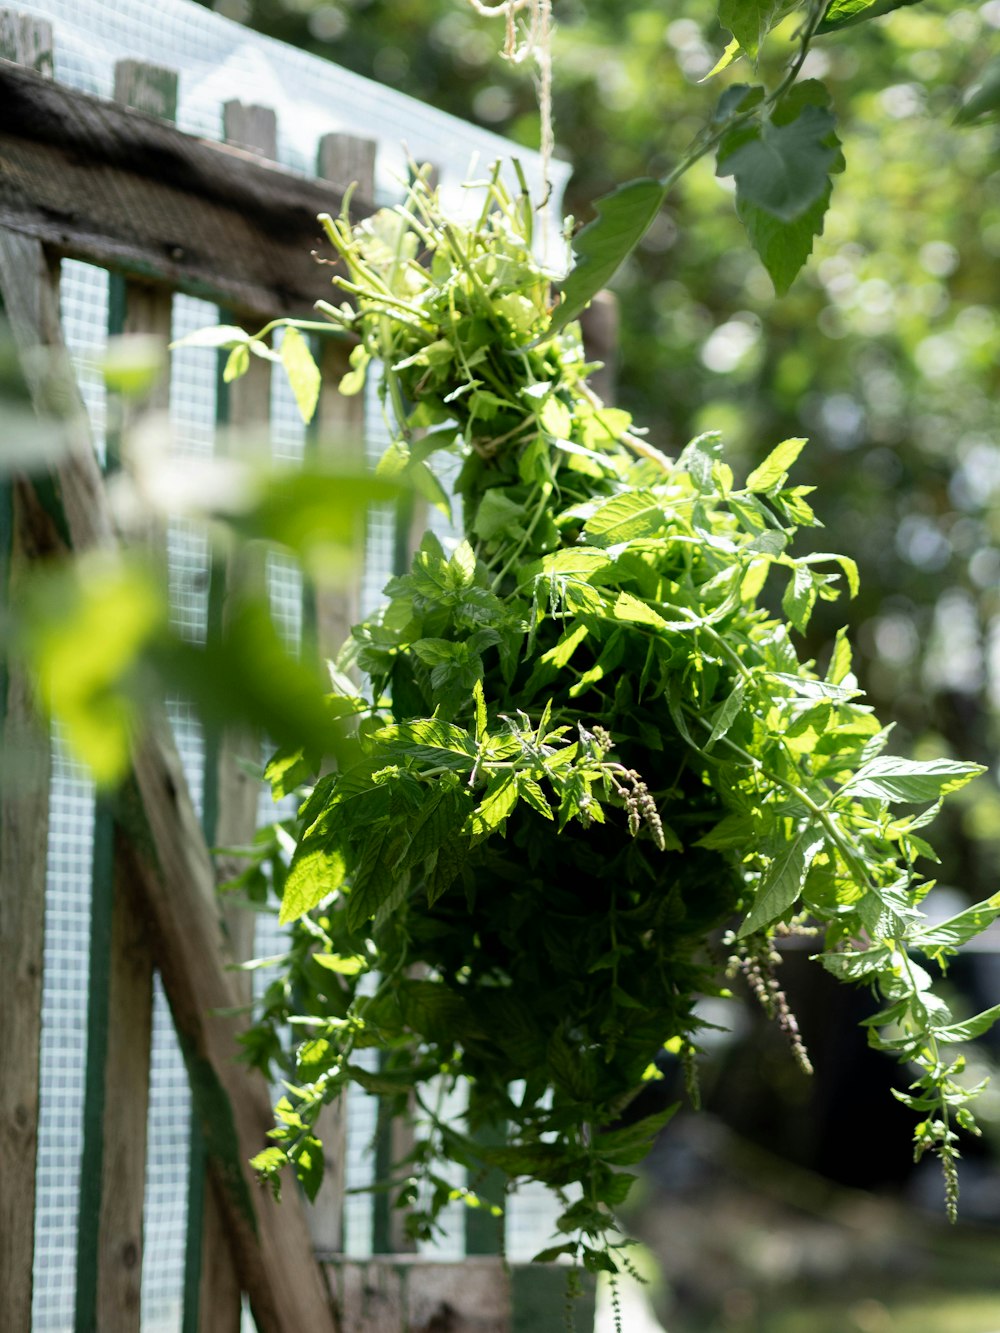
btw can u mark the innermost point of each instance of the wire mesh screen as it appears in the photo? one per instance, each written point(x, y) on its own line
point(64, 1040)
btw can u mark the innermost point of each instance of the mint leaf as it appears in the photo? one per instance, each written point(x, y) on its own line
point(774, 469)
point(314, 874)
point(782, 883)
point(971, 1028)
point(889, 778)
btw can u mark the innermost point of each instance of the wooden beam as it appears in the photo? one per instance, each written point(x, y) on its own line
point(338, 429)
point(24, 819)
point(133, 194)
point(24, 828)
point(124, 960)
point(231, 793)
point(169, 862)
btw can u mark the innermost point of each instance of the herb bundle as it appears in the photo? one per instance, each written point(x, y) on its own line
point(586, 748)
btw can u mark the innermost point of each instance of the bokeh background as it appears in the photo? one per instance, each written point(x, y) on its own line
point(795, 1205)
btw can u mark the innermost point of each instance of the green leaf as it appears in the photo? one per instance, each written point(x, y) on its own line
point(314, 874)
point(983, 99)
point(799, 598)
point(554, 1252)
point(841, 659)
point(782, 168)
point(889, 778)
point(782, 883)
point(634, 513)
point(724, 61)
point(749, 21)
point(623, 218)
point(500, 799)
point(728, 712)
point(637, 612)
point(531, 793)
point(857, 965)
point(302, 371)
point(237, 363)
point(784, 246)
point(431, 741)
point(309, 1164)
point(346, 967)
point(845, 13)
point(971, 1028)
point(957, 930)
point(498, 516)
point(774, 469)
point(269, 1160)
point(220, 335)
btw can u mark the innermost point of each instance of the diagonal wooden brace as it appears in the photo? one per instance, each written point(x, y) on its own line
point(171, 866)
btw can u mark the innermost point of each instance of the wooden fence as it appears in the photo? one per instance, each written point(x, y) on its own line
point(117, 185)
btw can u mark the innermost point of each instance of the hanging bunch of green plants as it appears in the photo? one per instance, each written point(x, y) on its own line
point(591, 770)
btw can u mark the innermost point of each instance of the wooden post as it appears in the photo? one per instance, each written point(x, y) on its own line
point(24, 817)
point(24, 827)
point(336, 439)
point(26, 41)
point(170, 864)
point(120, 1001)
point(599, 326)
point(213, 1298)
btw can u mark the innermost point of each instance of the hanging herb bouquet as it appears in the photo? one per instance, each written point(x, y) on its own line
point(585, 751)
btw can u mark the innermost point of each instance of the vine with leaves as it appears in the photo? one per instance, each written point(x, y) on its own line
point(589, 766)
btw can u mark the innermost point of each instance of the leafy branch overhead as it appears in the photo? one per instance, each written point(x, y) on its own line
point(584, 748)
point(778, 143)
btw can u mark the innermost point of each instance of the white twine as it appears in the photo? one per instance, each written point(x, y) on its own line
point(527, 39)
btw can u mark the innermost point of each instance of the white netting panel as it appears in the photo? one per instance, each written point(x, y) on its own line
point(64, 1043)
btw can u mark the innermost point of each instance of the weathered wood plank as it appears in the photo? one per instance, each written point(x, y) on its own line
point(24, 825)
point(246, 412)
point(599, 326)
point(120, 189)
point(126, 1102)
point(24, 816)
point(230, 790)
point(337, 440)
point(169, 862)
point(475, 1295)
point(127, 967)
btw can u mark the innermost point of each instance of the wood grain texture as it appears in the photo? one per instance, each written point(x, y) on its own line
point(246, 406)
point(475, 1295)
point(246, 411)
point(167, 859)
point(337, 441)
point(24, 815)
point(140, 309)
point(126, 191)
point(126, 1103)
point(24, 826)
